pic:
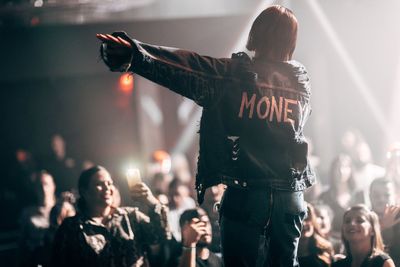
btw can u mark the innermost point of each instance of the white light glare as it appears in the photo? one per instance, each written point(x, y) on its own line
point(38, 3)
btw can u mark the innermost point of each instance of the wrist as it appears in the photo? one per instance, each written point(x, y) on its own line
point(191, 247)
point(153, 202)
point(189, 244)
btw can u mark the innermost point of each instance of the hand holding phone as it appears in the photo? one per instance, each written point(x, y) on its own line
point(133, 178)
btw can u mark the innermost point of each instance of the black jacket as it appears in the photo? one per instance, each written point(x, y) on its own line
point(251, 130)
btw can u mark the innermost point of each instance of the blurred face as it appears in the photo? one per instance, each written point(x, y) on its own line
point(342, 170)
point(349, 140)
point(206, 239)
point(308, 229)
point(100, 190)
point(22, 155)
point(182, 192)
point(47, 186)
point(356, 227)
point(382, 194)
point(324, 221)
point(364, 153)
point(58, 145)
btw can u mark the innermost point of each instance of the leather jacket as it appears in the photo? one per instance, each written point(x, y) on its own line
point(254, 112)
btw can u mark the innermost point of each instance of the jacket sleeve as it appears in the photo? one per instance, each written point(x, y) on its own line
point(200, 78)
point(304, 87)
point(152, 228)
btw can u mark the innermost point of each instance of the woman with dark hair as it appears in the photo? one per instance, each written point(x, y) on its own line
point(251, 131)
point(102, 234)
point(314, 249)
point(362, 239)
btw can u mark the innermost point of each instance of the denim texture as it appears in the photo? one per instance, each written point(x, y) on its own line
point(261, 227)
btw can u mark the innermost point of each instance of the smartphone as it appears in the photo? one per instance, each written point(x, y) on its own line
point(133, 177)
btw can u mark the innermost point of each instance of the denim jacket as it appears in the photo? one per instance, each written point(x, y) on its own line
point(254, 112)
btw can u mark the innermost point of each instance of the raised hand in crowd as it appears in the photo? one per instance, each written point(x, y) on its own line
point(142, 193)
point(391, 216)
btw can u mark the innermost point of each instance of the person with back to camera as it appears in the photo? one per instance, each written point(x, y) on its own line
point(104, 235)
point(251, 131)
point(362, 239)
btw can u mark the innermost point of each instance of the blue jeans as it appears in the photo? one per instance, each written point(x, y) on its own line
point(261, 227)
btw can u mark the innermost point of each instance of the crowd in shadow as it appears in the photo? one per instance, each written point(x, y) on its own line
point(69, 213)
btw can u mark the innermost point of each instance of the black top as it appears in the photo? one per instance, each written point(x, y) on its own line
point(312, 261)
point(81, 241)
point(212, 261)
point(375, 261)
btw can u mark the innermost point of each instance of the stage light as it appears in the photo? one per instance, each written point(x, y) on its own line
point(360, 83)
point(38, 3)
point(126, 83)
point(35, 21)
point(161, 161)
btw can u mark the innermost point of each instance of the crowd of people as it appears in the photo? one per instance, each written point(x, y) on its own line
point(353, 218)
point(163, 226)
point(90, 224)
point(251, 189)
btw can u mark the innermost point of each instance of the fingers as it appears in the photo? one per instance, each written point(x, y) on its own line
point(396, 212)
point(199, 226)
point(392, 209)
point(391, 216)
point(139, 187)
point(124, 42)
point(112, 40)
point(143, 192)
point(107, 38)
point(193, 231)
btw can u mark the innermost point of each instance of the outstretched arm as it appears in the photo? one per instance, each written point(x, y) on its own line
point(199, 78)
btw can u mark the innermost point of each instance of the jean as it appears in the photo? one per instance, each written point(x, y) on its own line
point(261, 227)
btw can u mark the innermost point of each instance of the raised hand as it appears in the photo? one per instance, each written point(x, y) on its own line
point(391, 216)
point(193, 231)
point(142, 192)
point(113, 40)
point(115, 51)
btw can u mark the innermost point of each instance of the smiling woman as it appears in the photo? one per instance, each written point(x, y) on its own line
point(362, 238)
point(102, 234)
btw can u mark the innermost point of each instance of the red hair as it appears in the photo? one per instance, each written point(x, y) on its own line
point(274, 34)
